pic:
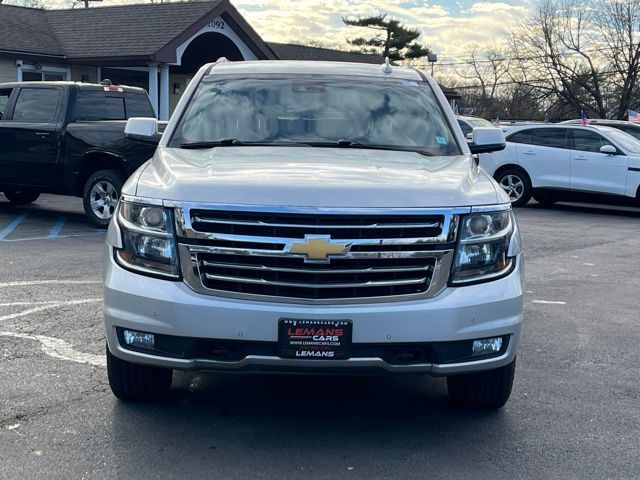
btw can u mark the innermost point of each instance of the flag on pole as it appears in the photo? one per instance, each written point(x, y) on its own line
point(633, 116)
point(497, 121)
point(546, 118)
point(584, 118)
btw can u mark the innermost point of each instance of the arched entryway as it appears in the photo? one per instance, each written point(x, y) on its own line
point(205, 48)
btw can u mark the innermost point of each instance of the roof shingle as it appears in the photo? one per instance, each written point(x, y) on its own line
point(290, 51)
point(26, 30)
point(124, 30)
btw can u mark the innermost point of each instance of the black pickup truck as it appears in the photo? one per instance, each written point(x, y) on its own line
point(68, 138)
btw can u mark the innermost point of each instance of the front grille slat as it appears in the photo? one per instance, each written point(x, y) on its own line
point(244, 252)
point(262, 281)
point(265, 268)
point(197, 219)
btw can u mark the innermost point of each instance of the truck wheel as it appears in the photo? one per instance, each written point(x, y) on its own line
point(100, 196)
point(517, 185)
point(130, 381)
point(22, 197)
point(488, 390)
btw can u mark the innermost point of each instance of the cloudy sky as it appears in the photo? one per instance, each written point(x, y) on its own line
point(450, 27)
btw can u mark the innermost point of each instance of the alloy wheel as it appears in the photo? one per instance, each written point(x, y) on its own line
point(513, 186)
point(104, 198)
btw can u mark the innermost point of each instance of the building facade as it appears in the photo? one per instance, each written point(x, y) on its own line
point(157, 46)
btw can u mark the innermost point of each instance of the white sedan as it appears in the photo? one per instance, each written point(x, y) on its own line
point(562, 162)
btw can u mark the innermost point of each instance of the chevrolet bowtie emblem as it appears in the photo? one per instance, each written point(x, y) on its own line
point(317, 248)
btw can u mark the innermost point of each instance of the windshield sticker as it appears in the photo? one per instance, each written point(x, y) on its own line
point(441, 140)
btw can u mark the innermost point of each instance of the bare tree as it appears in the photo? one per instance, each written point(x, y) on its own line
point(485, 71)
point(619, 23)
point(557, 50)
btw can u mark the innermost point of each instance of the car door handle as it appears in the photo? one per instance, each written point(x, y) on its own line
point(43, 134)
point(528, 153)
point(580, 158)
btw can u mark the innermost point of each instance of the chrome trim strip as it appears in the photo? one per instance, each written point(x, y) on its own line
point(317, 210)
point(145, 200)
point(264, 268)
point(278, 253)
point(307, 226)
point(491, 208)
point(262, 281)
point(229, 237)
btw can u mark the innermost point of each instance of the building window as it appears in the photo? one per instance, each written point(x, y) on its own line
point(38, 75)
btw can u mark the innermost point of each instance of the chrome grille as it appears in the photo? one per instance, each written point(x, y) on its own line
point(243, 253)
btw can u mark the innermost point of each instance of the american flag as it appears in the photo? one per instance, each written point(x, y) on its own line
point(584, 118)
point(633, 116)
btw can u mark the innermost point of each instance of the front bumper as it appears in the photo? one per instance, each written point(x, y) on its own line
point(169, 308)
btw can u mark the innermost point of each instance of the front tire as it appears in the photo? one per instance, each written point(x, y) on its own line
point(22, 197)
point(100, 196)
point(517, 185)
point(134, 382)
point(487, 390)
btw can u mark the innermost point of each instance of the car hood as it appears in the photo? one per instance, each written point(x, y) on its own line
point(315, 177)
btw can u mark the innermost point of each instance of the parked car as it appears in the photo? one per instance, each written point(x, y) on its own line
point(567, 162)
point(314, 217)
point(632, 129)
point(68, 138)
point(467, 124)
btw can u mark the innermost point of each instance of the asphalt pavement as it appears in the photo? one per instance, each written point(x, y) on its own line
point(574, 412)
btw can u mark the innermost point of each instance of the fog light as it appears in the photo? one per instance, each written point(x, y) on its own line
point(486, 345)
point(138, 339)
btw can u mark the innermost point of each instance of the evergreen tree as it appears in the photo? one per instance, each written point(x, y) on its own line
point(393, 40)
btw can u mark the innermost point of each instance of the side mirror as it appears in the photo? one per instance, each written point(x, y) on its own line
point(469, 137)
point(609, 150)
point(142, 129)
point(486, 139)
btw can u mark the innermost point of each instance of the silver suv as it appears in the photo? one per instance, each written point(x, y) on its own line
point(314, 217)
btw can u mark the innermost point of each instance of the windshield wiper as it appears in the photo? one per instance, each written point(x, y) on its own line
point(225, 142)
point(346, 143)
point(234, 142)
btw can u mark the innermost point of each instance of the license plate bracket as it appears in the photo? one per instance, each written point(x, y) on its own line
point(314, 339)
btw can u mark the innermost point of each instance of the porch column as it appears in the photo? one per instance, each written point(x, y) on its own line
point(19, 70)
point(153, 86)
point(164, 92)
point(98, 74)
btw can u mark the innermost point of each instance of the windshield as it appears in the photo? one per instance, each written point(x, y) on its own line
point(622, 139)
point(479, 122)
point(317, 111)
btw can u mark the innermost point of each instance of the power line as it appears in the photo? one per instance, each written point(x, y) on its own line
point(471, 60)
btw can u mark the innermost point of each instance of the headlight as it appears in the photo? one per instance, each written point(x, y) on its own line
point(148, 240)
point(483, 247)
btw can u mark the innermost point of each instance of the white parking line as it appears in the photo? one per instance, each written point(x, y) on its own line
point(23, 283)
point(24, 313)
point(24, 304)
point(549, 302)
point(56, 348)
